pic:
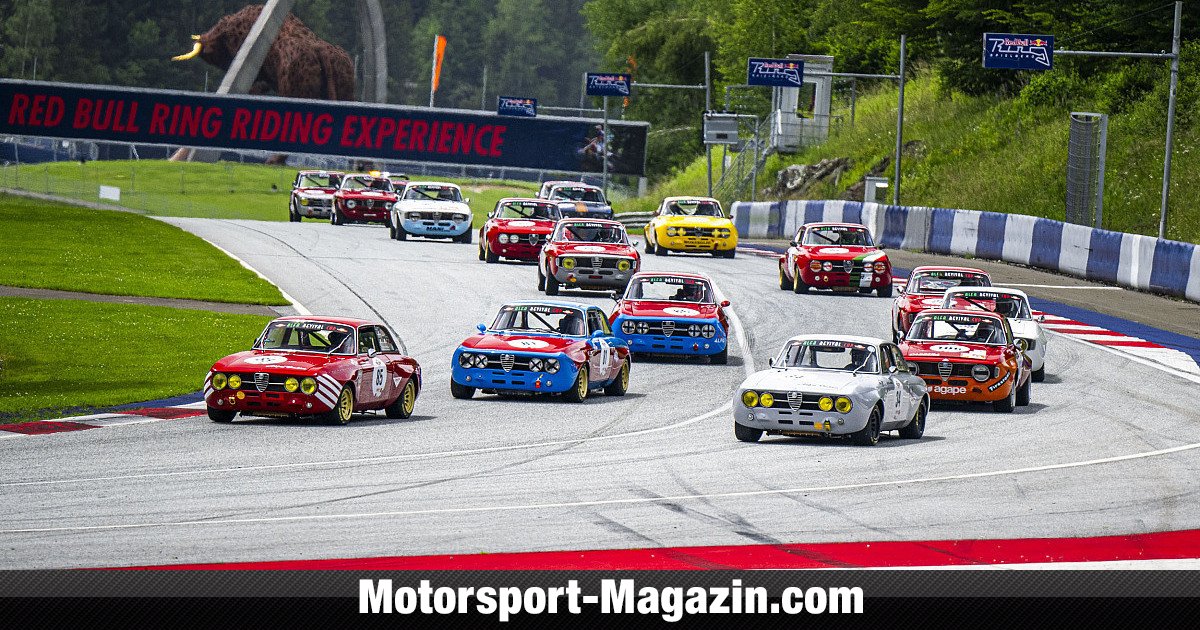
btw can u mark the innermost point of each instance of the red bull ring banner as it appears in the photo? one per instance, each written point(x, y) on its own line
point(284, 125)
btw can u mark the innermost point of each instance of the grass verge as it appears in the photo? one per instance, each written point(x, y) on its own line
point(54, 246)
point(67, 354)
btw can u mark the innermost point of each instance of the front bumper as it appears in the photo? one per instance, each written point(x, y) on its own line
point(696, 243)
point(679, 342)
point(587, 278)
point(315, 208)
point(844, 280)
point(967, 389)
point(517, 380)
point(519, 251)
point(444, 228)
point(802, 421)
point(372, 215)
point(254, 402)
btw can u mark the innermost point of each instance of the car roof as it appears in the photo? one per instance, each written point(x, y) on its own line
point(559, 303)
point(994, 289)
point(680, 274)
point(529, 199)
point(870, 341)
point(346, 321)
point(557, 182)
point(690, 198)
point(433, 183)
point(833, 224)
point(575, 184)
point(961, 311)
point(587, 220)
point(317, 170)
point(924, 268)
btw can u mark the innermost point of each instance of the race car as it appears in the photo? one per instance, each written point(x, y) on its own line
point(362, 198)
point(925, 288)
point(691, 224)
point(399, 181)
point(542, 348)
point(832, 386)
point(324, 367)
point(587, 254)
point(312, 194)
point(837, 256)
point(577, 199)
point(544, 191)
point(673, 313)
point(1014, 305)
point(517, 228)
point(432, 210)
point(968, 356)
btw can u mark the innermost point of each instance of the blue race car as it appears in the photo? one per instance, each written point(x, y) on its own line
point(673, 313)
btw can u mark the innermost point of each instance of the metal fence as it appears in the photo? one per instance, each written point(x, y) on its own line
point(1085, 168)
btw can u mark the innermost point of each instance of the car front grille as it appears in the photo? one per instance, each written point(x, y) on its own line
point(696, 231)
point(943, 369)
point(797, 401)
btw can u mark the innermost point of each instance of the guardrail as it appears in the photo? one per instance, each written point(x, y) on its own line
point(1131, 260)
point(634, 219)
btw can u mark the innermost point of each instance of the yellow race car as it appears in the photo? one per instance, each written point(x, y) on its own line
point(691, 224)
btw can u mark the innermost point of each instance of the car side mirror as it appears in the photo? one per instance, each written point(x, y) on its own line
point(636, 243)
point(596, 334)
point(371, 352)
point(467, 200)
point(793, 244)
point(771, 362)
point(724, 303)
point(481, 328)
point(1041, 318)
point(893, 369)
point(616, 297)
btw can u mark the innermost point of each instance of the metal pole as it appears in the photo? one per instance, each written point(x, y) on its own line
point(432, 69)
point(1166, 186)
point(582, 89)
point(483, 93)
point(1100, 180)
point(708, 106)
point(853, 98)
point(604, 147)
point(899, 128)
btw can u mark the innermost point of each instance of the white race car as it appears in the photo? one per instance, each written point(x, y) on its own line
point(432, 210)
point(1013, 304)
point(832, 385)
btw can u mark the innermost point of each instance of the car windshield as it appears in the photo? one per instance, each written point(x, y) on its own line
point(307, 336)
point(830, 354)
point(694, 208)
point(939, 281)
point(961, 328)
point(435, 192)
point(583, 232)
point(1006, 304)
point(366, 182)
point(837, 235)
point(527, 210)
point(318, 180)
point(540, 318)
point(577, 193)
point(670, 289)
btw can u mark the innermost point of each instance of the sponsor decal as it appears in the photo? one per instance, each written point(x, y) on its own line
point(680, 311)
point(521, 224)
point(1009, 51)
point(975, 354)
point(379, 376)
point(539, 308)
point(775, 72)
point(931, 302)
point(269, 359)
point(588, 248)
point(396, 381)
point(606, 354)
point(948, 390)
point(1000, 383)
point(608, 84)
point(949, 349)
point(516, 106)
point(833, 250)
point(670, 280)
point(529, 344)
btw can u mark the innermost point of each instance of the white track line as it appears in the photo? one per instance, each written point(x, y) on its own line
point(624, 501)
point(300, 310)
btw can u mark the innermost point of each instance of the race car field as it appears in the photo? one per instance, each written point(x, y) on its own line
point(1108, 446)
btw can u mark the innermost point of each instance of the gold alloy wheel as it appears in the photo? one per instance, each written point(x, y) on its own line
point(410, 398)
point(582, 386)
point(345, 406)
point(625, 375)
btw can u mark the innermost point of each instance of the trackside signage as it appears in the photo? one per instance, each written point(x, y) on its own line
point(608, 84)
point(775, 72)
point(516, 106)
point(1007, 51)
point(281, 125)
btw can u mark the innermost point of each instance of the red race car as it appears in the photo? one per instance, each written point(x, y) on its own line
point(968, 356)
point(517, 228)
point(925, 288)
point(312, 194)
point(327, 367)
point(363, 198)
point(590, 254)
point(838, 256)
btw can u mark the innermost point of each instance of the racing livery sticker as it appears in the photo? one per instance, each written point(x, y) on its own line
point(379, 379)
point(681, 311)
point(529, 344)
point(269, 359)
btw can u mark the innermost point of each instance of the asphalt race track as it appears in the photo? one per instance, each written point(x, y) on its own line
point(1108, 446)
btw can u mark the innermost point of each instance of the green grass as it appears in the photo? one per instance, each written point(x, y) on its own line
point(54, 246)
point(64, 354)
point(225, 190)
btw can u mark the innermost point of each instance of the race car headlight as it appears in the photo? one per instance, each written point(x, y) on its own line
point(537, 365)
point(766, 400)
point(815, 265)
point(219, 381)
point(881, 267)
point(552, 366)
point(413, 216)
point(827, 266)
point(825, 404)
point(304, 201)
point(749, 398)
point(567, 263)
point(478, 361)
point(503, 238)
point(708, 330)
point(291, 384)
point(843, 404)
point(624, 265)
point(308, 385)
point(460, 217)
point(643, 327)
point(235, 381)
point(914, 368)
point(628, 327)
point(464, 359)
point(981, 373)
point(694, 330)
point(351, 203)
point(672, 231)
point(722, 233)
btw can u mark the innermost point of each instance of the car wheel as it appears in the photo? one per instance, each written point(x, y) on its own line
point(293, 215)
point(659, 250)
point(551, 285)
point(730, 254)
point(620, 385)
point(885, 291)
point(916, 427)
point(784, 283)
point(343, 409)
point(579, 391)
point(221, 415)
point(746, 434)
point(869, 435)
point(541, 280)
point(1039, 374)
point(403, 406)
point(336, 218)
point(462, 392)
point(720, 358)
point(798, 285)
point(1009, 402)
point(1024, 392)
point(491, 256)
point(649, 248)
point(401, 233)
point(391, 231)
point(466, 237)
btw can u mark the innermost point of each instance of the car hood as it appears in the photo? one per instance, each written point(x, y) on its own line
point(365, 194)
point(523, 226)
point(502, 342)
point(913, 302)
point(839, 252)
point(583, 207)
point(429, 205)
point(667, 309)
point(285, 362)
point(938, 350)
point(817, 381)
point(702, 222)
point(595, 249)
